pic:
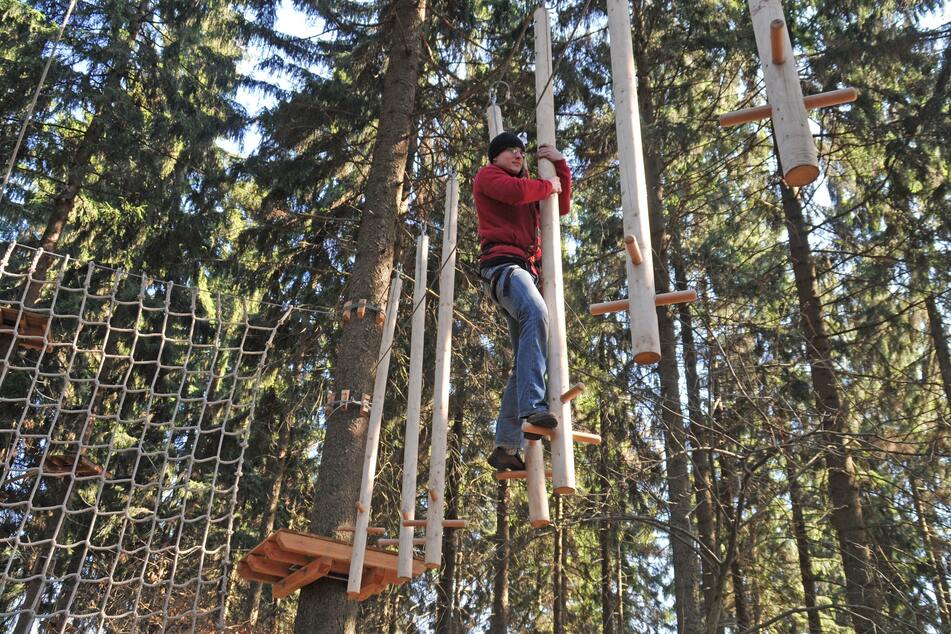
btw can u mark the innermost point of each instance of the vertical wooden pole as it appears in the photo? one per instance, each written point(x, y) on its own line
point(562, 445)
point(797, 151)
point(373, 440)
point(440, 427)
point(404, 569)
point(494, 114)
point(640, 277)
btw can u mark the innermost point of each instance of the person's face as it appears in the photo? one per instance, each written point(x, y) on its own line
point(511, 160)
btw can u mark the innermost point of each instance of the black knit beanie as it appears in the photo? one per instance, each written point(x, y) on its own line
point(503, 142)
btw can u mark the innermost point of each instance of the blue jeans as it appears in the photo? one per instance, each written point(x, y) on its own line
point(525, 392)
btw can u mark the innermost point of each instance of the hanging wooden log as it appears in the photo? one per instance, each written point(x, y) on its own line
point(645, 337)
point(373, 440)
point(413, 405)
point(440, 425)
point(797, 151)
point(562, 450)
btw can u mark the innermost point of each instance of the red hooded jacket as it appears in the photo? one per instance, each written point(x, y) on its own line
point(507, 211)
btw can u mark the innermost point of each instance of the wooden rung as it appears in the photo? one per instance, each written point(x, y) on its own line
point(777, 40)
point(347, 305)
point(361, 309)
point(344, 399)
point(662, 299)
point(360, 507)
point(572, 392)
point(394, 541)
point(371, 530)
point(516, 475)
point(445, 523)
point(633, 250)
point(535, 429)
point(586, 437)
point(676, 297)
point(831, 98)
point(433, 495)
point(819, 100)
point(302, 577)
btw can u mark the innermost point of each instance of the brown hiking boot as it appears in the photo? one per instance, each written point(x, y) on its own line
point(502, 460)
point(540, 419)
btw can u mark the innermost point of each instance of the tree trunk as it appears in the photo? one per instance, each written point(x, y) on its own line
point(65, 200)
point(933, 549)
point(323, 606)
point(802, 545)
point(863, 593)
point(608, 530)
point(686, 567)
point(499, 623)
point(700, 440)
point(728, 493)
point(278, 467)
point(446, 615)
point(940, 344)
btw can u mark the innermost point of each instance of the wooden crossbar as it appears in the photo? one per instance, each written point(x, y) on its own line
point(371, 530)
point(661, 299)
point(573, 392)
point(516, 475)
point(395, 541)
point(577, 436)
point(445, 523)
point(812, 102)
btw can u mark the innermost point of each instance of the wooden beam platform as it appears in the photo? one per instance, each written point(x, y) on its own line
point(31, 331)
point(291, 560)
point(61, 465)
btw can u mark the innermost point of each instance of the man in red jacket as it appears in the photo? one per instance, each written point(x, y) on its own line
point(506, 203)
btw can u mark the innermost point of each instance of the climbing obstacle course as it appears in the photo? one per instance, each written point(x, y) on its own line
point(125, 405)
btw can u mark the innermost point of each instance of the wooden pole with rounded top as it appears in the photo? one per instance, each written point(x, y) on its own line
point(562, 448)
point(355, 579)
point(645, 336)
point(404, 570)
point(534, 457)
point(440, 427)
point(494, 115)
point(797, 150)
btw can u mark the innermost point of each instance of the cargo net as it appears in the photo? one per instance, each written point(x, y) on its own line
point(125, 404)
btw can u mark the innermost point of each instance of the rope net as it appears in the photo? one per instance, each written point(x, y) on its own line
point(125, 405)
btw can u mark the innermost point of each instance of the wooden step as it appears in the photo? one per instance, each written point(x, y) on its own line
point(445, 523)
point(578, 436)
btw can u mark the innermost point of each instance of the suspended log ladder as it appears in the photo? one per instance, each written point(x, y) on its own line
point(786, 105)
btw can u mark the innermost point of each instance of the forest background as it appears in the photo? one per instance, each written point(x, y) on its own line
point(783, 469)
